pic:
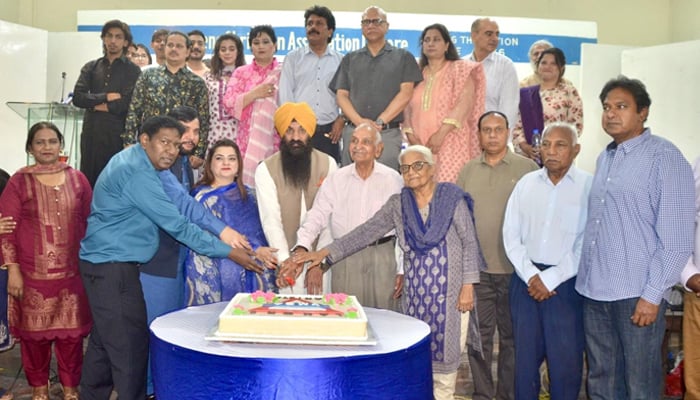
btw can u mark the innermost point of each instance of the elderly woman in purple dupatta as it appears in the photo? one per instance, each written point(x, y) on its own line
point(435, 229)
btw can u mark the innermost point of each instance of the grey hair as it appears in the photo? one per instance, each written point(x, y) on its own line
point(371, 128)
point(420, 149)
point(542, 43)
point(565, 126)
point(380, 11)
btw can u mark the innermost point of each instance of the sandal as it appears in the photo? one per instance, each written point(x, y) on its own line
point(70, 393)
point(40, 393)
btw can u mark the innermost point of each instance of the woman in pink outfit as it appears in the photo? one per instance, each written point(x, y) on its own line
point(443, 112)
point(251, 98)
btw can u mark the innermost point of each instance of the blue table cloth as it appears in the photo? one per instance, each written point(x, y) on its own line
point(187, 366)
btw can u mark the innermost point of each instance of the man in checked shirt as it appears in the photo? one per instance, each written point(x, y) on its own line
point(638, 237)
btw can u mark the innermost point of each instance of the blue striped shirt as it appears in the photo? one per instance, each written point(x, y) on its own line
point(305, 77)
point(639, 232)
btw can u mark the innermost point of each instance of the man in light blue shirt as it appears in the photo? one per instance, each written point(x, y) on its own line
point(306, 73)
point(129, 205)
point(638, 237)
point(542, 234)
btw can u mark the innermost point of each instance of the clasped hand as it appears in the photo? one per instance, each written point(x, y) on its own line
point(537, 290)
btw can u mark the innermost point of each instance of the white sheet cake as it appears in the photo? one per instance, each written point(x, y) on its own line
point(267, 315)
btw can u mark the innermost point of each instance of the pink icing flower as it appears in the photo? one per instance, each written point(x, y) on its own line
point(260, 296)
point(335, 298)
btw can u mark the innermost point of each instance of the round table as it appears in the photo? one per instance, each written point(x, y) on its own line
point(185, 365)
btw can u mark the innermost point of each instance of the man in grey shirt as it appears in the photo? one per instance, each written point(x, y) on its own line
point(374, 84)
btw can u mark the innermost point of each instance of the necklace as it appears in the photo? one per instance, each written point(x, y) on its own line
point(428, 92)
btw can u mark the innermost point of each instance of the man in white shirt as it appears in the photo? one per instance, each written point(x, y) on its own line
point(199, 47)
point(348, 198)
point(543, 235)
point(306, 73)
point(502, 90)
point(286, 184)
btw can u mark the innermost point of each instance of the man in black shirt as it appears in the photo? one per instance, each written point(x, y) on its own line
point(104, 91)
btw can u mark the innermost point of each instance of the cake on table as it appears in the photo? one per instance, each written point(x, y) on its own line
point(294, 316)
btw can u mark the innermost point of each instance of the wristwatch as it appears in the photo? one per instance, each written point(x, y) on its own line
point(380, 122)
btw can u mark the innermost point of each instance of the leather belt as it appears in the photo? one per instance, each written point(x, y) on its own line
point(541, 266)
point(382, 240)
point(390, 125)
point(324, 128)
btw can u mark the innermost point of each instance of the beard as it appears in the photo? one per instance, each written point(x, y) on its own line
point(296, 162)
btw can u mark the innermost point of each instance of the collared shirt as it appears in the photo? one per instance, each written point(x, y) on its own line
point(490, 186)
point(305, 77)
point(374, 81)
point(502, 90)
point(271, 215)
point(641, 215)
point(99, 77)
point(345, 201)
point(544, 223)
point(158, 91)
point(693, 265)
point(129, 205)
point(170, 254)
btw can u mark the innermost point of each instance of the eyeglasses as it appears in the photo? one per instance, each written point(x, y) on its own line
point(139, 56)
point(417, 166)
point(375, 22)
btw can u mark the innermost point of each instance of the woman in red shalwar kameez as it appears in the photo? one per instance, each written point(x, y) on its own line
point(50, 201)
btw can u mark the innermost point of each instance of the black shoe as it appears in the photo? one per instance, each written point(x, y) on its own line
point(151, 397)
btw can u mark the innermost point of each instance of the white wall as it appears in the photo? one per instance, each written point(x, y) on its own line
point(23, 73)
point(599, 63)
point(624, 22)
point(671, 74)
point(68, 52)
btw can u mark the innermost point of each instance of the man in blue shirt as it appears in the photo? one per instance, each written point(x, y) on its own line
point(129, 205)
point(638, 237)
point(162, 277)
point(306, 73)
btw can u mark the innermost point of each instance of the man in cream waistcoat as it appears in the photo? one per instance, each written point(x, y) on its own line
point(286, 185)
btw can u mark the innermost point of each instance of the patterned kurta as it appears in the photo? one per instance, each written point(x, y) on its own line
point(158, 91)
point(51, 221)
point(210, 280)
point(559, 104)
point(445, 96)
point(222, 125)
point(431, 291)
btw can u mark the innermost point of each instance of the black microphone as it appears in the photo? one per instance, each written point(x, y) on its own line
point(63, 85)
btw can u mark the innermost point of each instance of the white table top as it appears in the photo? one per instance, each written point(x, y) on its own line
point(187, 328)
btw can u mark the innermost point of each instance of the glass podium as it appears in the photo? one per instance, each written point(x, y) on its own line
point(67, 117)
